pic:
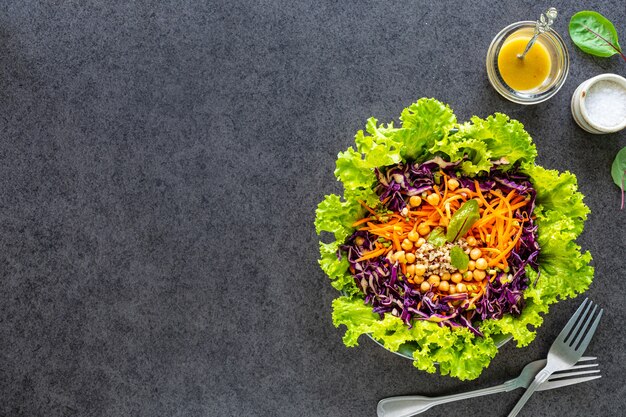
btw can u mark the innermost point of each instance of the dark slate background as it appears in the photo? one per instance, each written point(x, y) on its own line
point(160, 163)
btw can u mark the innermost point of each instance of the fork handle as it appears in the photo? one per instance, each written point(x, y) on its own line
point(540, 378)
point(410, 405)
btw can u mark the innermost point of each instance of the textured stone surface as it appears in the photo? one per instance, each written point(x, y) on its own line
point(160, 163)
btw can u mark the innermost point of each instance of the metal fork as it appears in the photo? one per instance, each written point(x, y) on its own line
point(410, 405)
point(568, 347)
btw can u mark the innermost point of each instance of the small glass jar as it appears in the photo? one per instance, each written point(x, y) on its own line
point(559, 58)
point(579, 105)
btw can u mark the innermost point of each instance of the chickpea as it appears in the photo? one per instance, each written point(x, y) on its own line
point(410, 270)
point(456, 277)
point(420, 269)
point(433, 280)
point(433, 199)
point(418, 279)
point(444, 286)
point(445, 276)
point(413, 236)
point(410, 257)
point(461, 287)
point(482, 264)
point(424, 286)
point(479, 275)
point(423, 229)
point(405, 211)
point(452, 289)
point(399, 256)
point(471, 240)
point(407, 245)
point(475, 253)
point(453, 184)
point(468, 276)
point(415, 201)
point(471, 265)
point(420, 242)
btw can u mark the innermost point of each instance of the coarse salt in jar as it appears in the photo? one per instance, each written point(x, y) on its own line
point(599, 104)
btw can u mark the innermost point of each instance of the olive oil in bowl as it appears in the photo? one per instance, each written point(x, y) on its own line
point(528, 73)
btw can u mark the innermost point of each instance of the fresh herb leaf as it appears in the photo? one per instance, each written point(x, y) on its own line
point(437, 237)
point(458, 258)
point(594, 34)
point(618, 171)
point(462, 220)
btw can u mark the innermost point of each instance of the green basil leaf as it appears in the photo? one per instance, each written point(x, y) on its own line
point(618, 171)
point(462, 220)
point(594, 34)
point(437, 237)
point(458, 258)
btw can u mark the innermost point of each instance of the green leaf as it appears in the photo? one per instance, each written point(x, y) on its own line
point(336, 268)
point(437, 237)
point(333, 215)
point(594, 34)
point(423, 123)
point(353, 171)
point(458, 352)
point(618, 171)
point(557, 191)
point(484, 140)
point(458, 258)
point(382, 147)
point(462, 220)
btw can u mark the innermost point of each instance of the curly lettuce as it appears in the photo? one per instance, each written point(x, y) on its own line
point(429, 128)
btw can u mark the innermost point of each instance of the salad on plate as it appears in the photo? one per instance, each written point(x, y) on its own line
point(449, 238)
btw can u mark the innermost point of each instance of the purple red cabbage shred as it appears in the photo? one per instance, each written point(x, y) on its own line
point(382, 282)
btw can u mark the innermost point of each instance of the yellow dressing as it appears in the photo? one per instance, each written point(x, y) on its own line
point(524, 74)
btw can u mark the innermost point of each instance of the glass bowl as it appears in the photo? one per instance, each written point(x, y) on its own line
point(558, 56)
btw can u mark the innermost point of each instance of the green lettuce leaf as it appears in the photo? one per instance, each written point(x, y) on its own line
point(458, 352)
point(336, 268)
point(485, 140)
point(558, 192)
point(424, 123)
point(333, 215)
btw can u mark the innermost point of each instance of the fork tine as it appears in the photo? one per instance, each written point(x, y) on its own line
point(592, 365)
point(582, 329)
point(565, 333)
point(565, 382)
point(568, 374)
point(587, 358)
point(582, 346)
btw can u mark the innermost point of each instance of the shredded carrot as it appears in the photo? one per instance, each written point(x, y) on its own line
point(359, 222)
point(396, 242)
point(372, 254)
point(507, 250)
